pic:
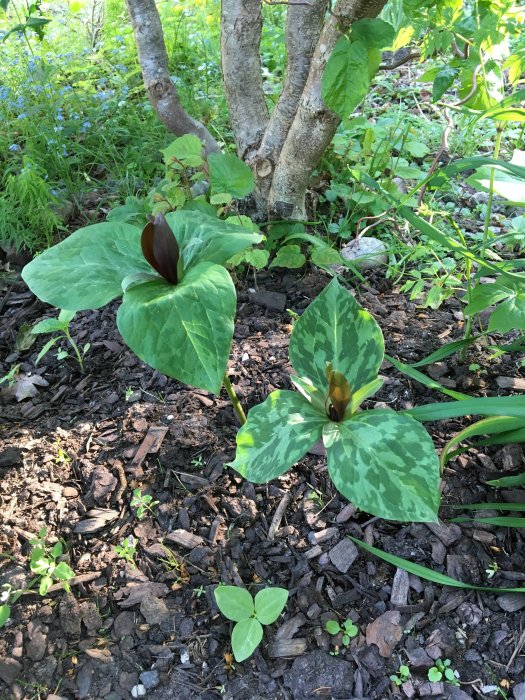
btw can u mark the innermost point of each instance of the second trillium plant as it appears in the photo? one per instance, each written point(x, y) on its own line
point(382, 461)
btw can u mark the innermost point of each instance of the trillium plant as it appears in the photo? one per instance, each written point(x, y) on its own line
point(179, 301)
point(383, 461)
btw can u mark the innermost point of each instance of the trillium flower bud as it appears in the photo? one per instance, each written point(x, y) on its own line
point(339, 393)
point(160, 248)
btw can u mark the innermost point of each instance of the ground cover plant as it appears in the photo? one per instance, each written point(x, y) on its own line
point(128, 467)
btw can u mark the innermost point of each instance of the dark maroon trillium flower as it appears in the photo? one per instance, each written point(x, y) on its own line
point(160, 248)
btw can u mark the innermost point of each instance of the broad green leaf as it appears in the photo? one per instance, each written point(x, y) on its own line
point(85, 270)
point(428, 574)
point(246, 637)
point(443, 80)
point(374, 33)
point(57, 550)
point(490, 406)
point(509, 315)
point(277, 434)
point(418, 149)
point(184, 331)
point(423, 379)
point(234, 603)
point(323, 256)
point(187, 148)
point(221, 198)
point(45, 584)
point(346, 79)
point(229, 174)
point(269, 604)
point(336, 329)
point(63, 572)
point(506, 184)
point(289, 256)
point(206, 238)
point(257, 258)
point(386, 464)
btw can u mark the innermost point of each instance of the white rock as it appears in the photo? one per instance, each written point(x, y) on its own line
point(138, 691)
point(365, 252)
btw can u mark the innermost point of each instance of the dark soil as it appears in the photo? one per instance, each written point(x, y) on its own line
point(71, 455)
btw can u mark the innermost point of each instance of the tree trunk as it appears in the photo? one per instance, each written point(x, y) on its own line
point(153, 59)
point(282, 149)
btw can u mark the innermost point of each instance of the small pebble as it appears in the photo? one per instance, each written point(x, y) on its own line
point(138, 691)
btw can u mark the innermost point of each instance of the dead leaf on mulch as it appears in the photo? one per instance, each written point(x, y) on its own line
point(385, 632)
point(23, 387)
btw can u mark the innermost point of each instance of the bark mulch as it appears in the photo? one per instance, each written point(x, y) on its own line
point(73, 450)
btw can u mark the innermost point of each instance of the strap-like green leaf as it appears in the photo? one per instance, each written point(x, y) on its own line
point(488, 426)
point(277, 434)
point(336, 329)
point(184, 331)
point(386, 464)
point(428, 574)
point(85, 270)
point(489, 406)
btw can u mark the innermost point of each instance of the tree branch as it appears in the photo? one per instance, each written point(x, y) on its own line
point(153, 60)
point(241, 26)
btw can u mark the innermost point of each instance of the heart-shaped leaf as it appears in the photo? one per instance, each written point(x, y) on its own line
point(278, 433)
point(184, 331)
point(386, 464)
point(336, 329)
point(85, 271)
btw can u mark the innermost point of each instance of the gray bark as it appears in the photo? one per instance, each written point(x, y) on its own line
point(303, 27)
point(314, 125)
point(241, 26)
point(153, 60)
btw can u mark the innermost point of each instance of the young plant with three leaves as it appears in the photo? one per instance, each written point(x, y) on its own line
point(45, 562)
point(60, 326)
point(178, 299)
point(383, 461)
point(249, 614)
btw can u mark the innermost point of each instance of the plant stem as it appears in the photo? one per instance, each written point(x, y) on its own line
point(488, 215)
point(76, 350)
point(234, 399)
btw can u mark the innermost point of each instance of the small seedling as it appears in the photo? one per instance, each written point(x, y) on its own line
point(11, 376)
point(443, 669)
point(348, 629)
point(44, 562)
point(198, 591)
point(249, 615)
point(143, 502)
point(60, 326)
point(197, 462)
point(126, 550)
point(401, 676)
point(8, 597)
point(492, 569)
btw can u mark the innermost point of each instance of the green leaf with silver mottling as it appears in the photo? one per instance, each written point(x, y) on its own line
point(386, 464)
point(183, 330)
point(305, 387)
point(246, 637)
point(276, 435)
point(336, 329)
point(202, 237)
point(85, 270)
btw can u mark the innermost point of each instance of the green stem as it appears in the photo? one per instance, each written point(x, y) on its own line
point(468, 274)
point(488, 215)
point(76, 350)
point(234, 399)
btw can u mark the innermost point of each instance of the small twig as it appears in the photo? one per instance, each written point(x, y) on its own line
point(278, 516)
point(400, 61)
point(82, 578)
point(517, 649)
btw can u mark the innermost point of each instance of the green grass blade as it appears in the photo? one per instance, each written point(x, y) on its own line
point(423, 379)
point(445, 351)
point(490, 506)
point(508, 481)
point(487, 426)
point(428, 574)
point(498, 520)
point(485, 406)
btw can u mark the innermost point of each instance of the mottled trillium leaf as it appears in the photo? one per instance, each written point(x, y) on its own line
point(336, 329)
point(269, 604)
point(202, 237)
point(305, 387)
point(234, 603)
point(385, 464)
point(184, 331)
point(85, 271)
point(278, 433)
point(246, 637)
point(160, 248)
